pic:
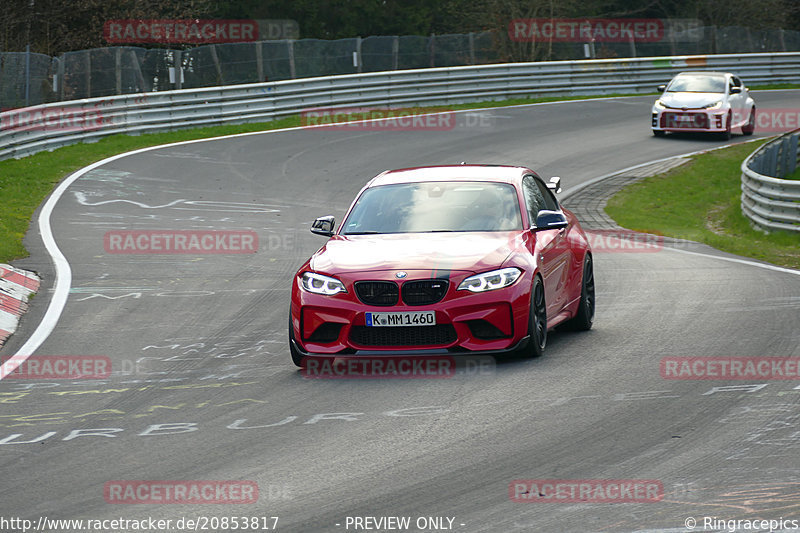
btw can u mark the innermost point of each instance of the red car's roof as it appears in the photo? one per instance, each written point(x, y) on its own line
point(496, 173)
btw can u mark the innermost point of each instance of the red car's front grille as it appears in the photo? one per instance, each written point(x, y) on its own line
point(424, 292)
point(439, 334)
point(377, 292)
point(684, 120)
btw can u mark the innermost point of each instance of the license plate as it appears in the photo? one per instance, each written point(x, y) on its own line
point(415, 318)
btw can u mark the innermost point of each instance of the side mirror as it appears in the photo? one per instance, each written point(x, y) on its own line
point(550, 220)
point(736, 90)
point(661, 88)
point(554, 184)
point(323, 226)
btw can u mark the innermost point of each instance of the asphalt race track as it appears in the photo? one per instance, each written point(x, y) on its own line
point(203, 388)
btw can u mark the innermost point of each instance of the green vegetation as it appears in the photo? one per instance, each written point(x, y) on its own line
point(78, 24)
point(700, 201)
point(774, 86)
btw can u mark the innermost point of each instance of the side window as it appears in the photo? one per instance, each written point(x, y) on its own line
point(534, 200)
point(549, 201)
point(736, 81)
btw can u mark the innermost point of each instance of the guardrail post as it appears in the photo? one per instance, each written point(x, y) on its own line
point(118, 69)
point(432, 49)
point(27, 75)
point(471, 48)
point(770, 163)
point(789, 155)
point(395, 52)
point(61, 80)
point(797, 151)
point(260, 61)
point(292, 70)
point(671, 42)
point(88, 75)
point(140, 87)
point(357, 55)
point(177, 61)
point(714, 39)
point(215, 58)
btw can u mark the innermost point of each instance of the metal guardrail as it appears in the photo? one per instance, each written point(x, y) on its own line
point(33, 129)
point(770, 202)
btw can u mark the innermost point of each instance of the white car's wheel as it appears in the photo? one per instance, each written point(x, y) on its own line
point(750, 127)
point(726, 135)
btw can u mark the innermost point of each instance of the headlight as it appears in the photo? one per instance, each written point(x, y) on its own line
point(659, 104)
point(489, 281)
point(715, 105)
point(319, 284)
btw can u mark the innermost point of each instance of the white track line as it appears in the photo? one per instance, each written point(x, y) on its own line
point(64, 272)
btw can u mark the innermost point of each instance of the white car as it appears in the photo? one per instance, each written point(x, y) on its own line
point(706, 102)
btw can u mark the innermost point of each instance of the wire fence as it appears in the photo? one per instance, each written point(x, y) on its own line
point(30, 79)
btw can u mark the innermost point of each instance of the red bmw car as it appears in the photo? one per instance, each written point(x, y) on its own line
point(463, 259)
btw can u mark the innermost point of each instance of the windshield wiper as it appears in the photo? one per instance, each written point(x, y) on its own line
point(362, 233)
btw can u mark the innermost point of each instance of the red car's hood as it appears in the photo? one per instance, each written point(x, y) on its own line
point(476, 252)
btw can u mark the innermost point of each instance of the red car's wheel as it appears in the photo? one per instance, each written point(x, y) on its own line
point(585, 317)
point(537, 321)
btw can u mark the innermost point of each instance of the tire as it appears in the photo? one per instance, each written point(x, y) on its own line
point(750, 127)
point(726, 135)
point(659, 133)
point(585, 317)
point(537, 321)
point(297, 358)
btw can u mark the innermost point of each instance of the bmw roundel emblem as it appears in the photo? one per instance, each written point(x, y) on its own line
point(401, 274)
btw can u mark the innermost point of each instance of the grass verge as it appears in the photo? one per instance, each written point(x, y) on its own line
point(700, 201)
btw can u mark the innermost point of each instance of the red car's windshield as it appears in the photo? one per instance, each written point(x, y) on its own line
point(435, 206)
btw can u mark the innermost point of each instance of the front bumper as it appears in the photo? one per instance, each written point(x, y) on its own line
point(493, 322)
point(690, 120)
point(453, 351)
